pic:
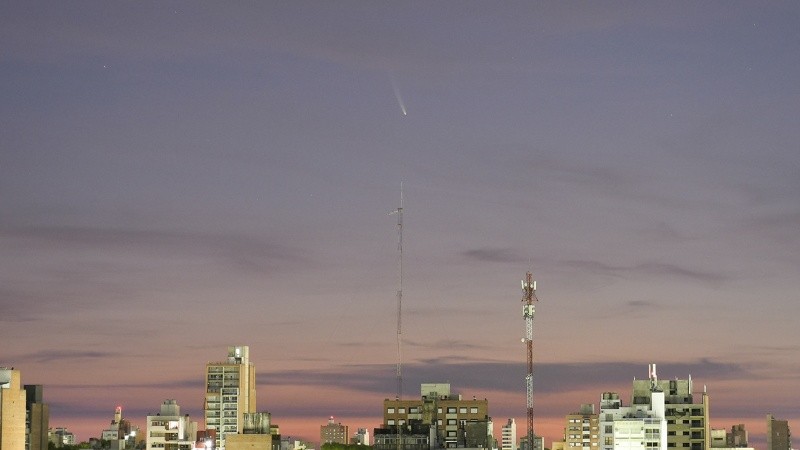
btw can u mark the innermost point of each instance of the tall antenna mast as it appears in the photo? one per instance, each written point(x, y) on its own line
point(399, 213)
point(528, 310)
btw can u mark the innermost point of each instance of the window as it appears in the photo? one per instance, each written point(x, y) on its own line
point(390, 422)
point(462, 410)
point(413, 410)
point(474, 410)
point(439, 410)
point(401, 410)
point(451, 410)
point(390, 411)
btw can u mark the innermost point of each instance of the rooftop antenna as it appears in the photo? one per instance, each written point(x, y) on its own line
point(399, 213)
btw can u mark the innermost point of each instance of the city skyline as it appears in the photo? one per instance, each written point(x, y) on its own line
point(177, 178)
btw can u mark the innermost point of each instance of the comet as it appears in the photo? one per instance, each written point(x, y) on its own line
point(397, 96)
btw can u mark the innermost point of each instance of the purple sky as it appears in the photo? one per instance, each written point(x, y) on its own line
point(178, 177)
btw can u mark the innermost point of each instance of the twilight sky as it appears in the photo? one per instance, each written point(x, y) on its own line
point(178, 177)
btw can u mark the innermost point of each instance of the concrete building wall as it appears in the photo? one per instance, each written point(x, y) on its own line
point(248, 442)
point(12, 410)
point(38, 418)
point(333, 433)
point(508, 438)
point(778, 435)
point(582, 429)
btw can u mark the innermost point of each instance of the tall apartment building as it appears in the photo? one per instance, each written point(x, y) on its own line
point(12, 410)
point(582, 429)
point(333, 433)
point(687, 416)
point(230, 393)
point(778, 435)
point(508, 435)
point(168, 429)
point(37, 419)
point(439, 418)
point(641, 426)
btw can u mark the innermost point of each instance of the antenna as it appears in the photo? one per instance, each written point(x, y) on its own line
point(528, 310)
point(399, 213)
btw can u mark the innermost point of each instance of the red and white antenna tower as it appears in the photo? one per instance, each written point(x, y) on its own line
point(528, 310)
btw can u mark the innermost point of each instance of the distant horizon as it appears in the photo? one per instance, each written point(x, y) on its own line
point(306, 425)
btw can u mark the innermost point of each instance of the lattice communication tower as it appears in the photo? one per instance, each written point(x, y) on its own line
point(528, 310)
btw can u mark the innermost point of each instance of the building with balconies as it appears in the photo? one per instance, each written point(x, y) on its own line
point(442, 418)
point(230, 393)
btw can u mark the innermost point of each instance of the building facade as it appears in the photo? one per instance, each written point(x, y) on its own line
point(441, 418)
point(538, 443)
point(361, 437)
point(120, 433)
point(257, 434)
point(641, 426)
point(778, 435)
point(508, 435)
point(687, 414)
point(582, 429)
point(61, 436)
point(12, 410)
point(737, 436)
point(169, 430)
point(333, 433)
point(37, 418)
point(230, 393)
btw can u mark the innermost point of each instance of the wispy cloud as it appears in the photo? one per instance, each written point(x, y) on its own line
point(498, 375)
point(48, 356)
point(66, 269)
point(501, 255)
point(453, 344)
point(650, 269)
point(242, 251)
